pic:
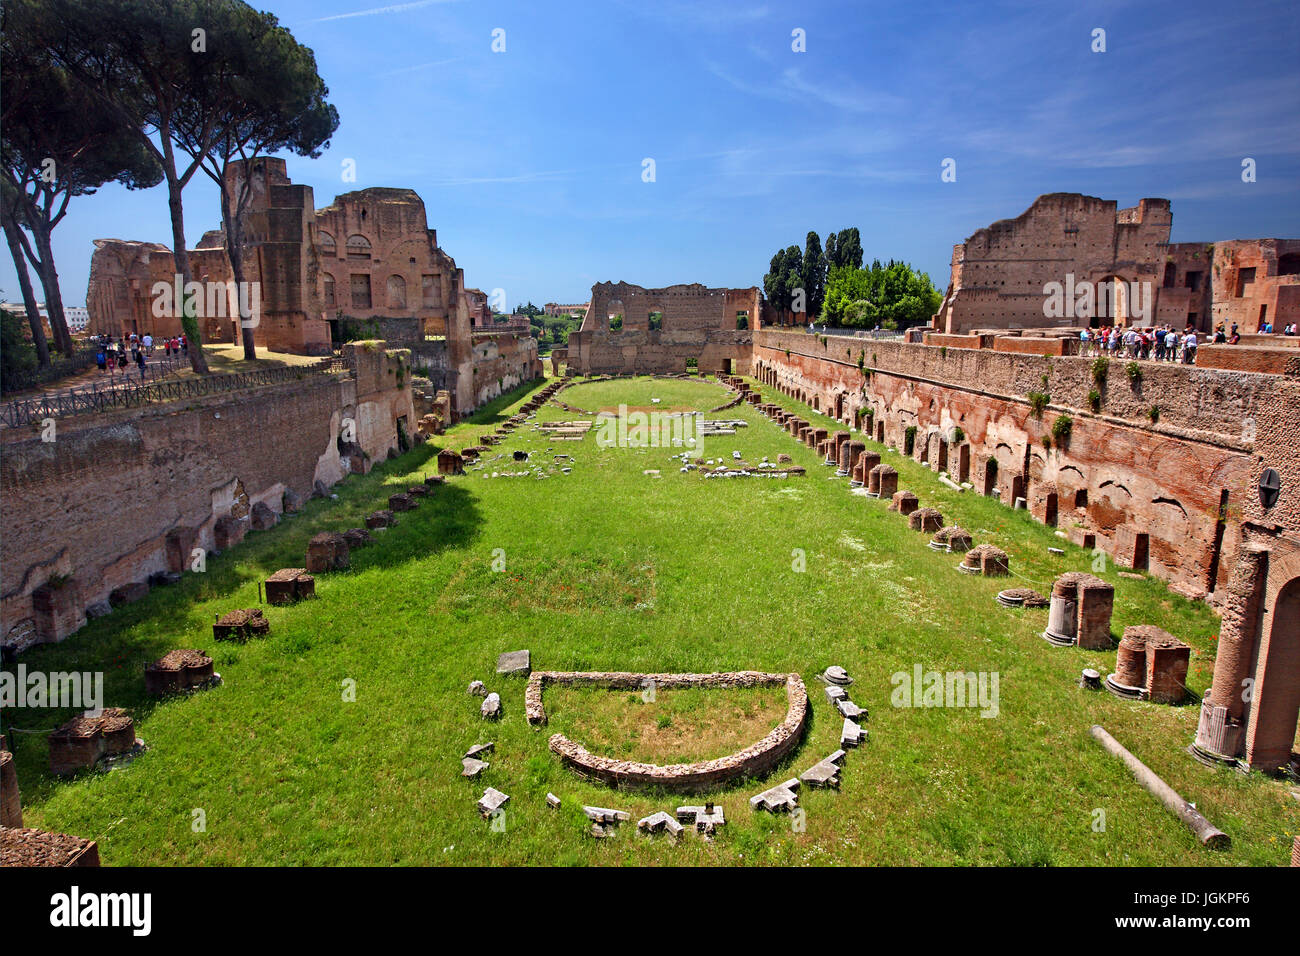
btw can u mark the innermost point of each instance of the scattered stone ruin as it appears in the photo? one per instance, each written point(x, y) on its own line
point(1080, 611)
point(625, 774)
point(1150, 664)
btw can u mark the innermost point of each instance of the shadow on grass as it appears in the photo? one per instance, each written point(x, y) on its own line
point(122, 644)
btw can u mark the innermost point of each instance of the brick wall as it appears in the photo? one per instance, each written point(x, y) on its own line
point(97, 504)
point(1216, 431)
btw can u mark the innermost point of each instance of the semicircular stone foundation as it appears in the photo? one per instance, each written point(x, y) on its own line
point(753, 760)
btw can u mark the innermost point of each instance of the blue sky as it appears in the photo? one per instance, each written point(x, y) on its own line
point(529, 161)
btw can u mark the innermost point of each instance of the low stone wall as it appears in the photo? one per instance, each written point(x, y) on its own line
point(754, 760)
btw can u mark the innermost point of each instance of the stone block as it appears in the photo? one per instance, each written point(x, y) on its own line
point(515, 664)
point(289, 586)
point(401, 502)
point(904, 502)
point(178, 671)
point(783, 797)
point(128, 593)
point(491, 802)
point(241, 625)
point(228, 531)
point(327, 551)
point(851, 735)
point(380, 519)
point(262, 518)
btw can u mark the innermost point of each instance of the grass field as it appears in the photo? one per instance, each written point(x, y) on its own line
point(607, 568)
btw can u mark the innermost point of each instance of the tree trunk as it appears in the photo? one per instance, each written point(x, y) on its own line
point(53, 297)
point(29, 297)
point(182, 257)
point(235, 253)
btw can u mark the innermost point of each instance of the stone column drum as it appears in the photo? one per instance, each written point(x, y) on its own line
point(833, 450)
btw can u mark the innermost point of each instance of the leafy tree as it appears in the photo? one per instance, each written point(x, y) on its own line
point(161, 68)
point(269, 99)
point(894, 296)
point(849, 248)
point(56, 143)
point(814, 273)
point(16, 353)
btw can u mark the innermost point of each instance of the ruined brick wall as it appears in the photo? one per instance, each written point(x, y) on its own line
point(1254, 279)
point(96, 505)
point(698, 323)
point(124, 275)
point(1121, 476)
point(999, 272)
point(503, 360)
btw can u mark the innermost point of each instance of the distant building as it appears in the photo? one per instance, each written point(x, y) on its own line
point(552, 308)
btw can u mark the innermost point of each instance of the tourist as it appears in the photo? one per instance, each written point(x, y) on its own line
point(185, 344)
point(101, 357)
point(1171, 346)
point(1219, 335)
point(148, 344)
point(1083, 342)
point(1189, 346)
point(139, 361)
point(1160, 343)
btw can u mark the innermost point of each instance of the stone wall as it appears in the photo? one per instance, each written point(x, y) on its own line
point(123, 495)
point(502, 361)
point(698, 323)
point(999, 272)
point(1149, 493)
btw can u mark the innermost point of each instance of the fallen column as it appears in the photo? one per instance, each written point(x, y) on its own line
point(1206, 832)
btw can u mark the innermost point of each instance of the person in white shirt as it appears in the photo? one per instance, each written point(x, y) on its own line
point(1189, 347)
point(148, 344)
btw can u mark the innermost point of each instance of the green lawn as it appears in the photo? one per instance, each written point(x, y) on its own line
point(610, 569)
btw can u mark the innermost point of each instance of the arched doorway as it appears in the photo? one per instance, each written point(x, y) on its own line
point(1277, 683)
point(1111, 307)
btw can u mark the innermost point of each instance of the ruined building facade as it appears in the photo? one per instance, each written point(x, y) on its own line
point(631, 329)
point(1136, 275)
point(367, 265)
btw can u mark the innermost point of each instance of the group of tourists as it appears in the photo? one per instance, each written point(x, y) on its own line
point(1161, 343)
point(118, 353)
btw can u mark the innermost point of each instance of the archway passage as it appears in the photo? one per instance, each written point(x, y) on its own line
point(1277, 683)
point(990, 477)
point(1111, 307)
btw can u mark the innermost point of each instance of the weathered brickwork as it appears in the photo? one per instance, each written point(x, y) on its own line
point(1000, 272)
point(698, 324)
point(1148, 493)
point(182, 478)
point(368, 260)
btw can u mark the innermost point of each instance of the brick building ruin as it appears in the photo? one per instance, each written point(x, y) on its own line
point(365, 266)
point(665, 330)
point(1137, 275)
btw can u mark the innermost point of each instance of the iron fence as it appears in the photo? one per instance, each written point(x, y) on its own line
point(21, 381)
point(93, 398)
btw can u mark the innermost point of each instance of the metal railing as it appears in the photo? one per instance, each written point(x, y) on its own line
point(93, 398)
point(57, 369)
